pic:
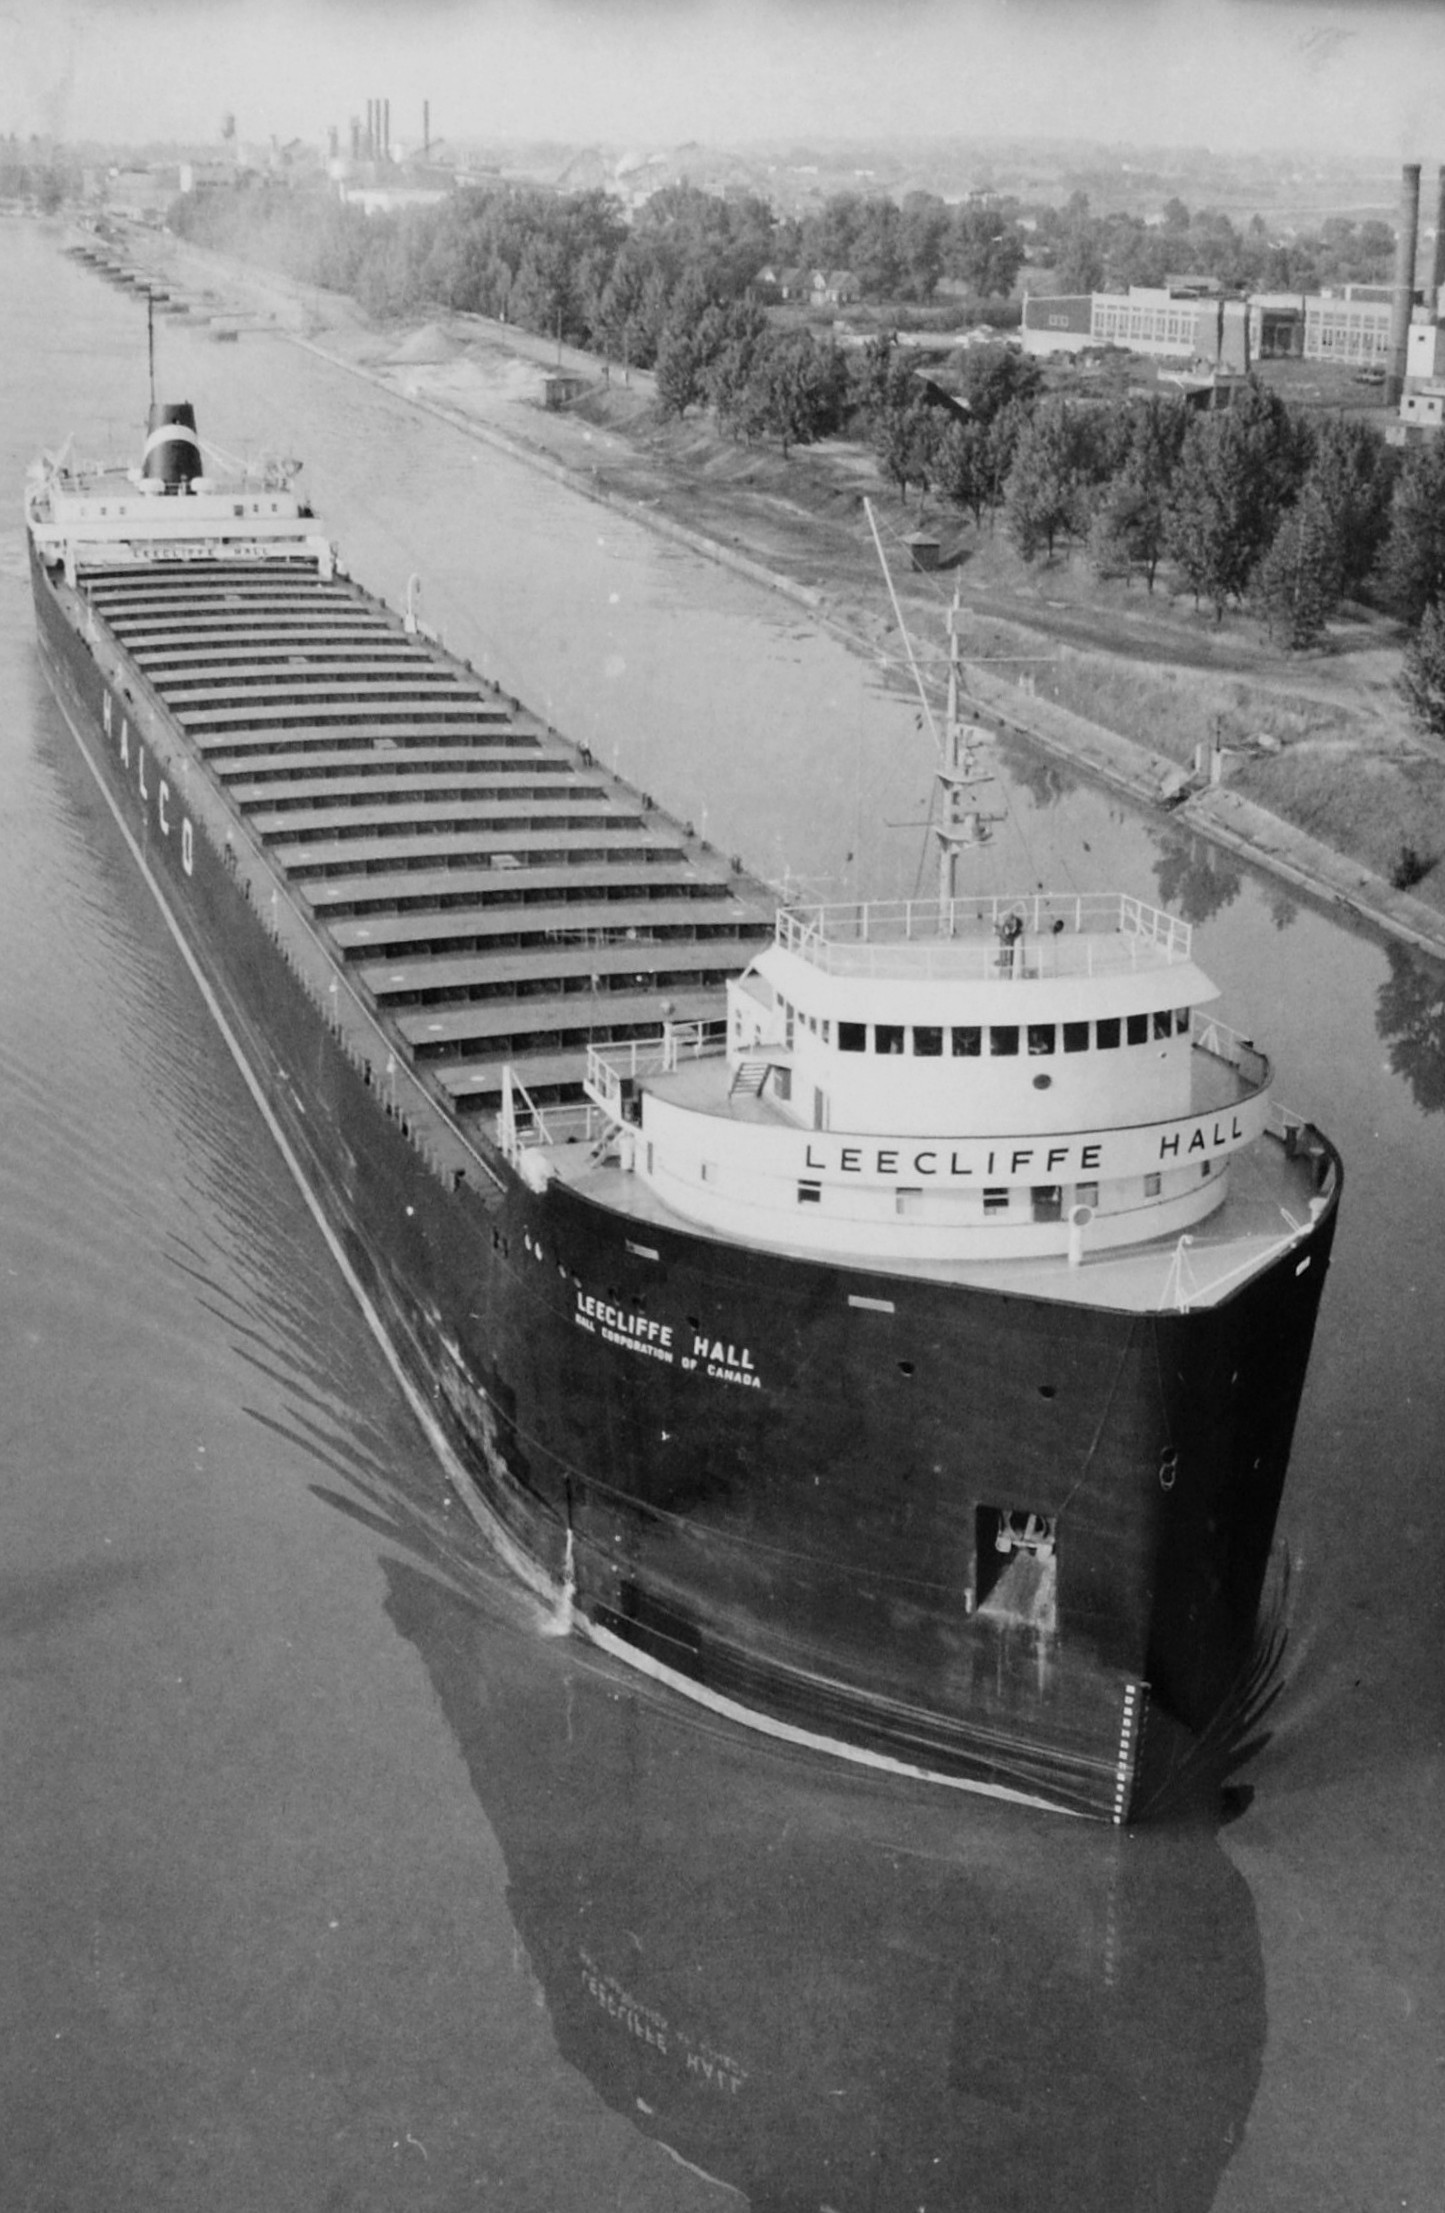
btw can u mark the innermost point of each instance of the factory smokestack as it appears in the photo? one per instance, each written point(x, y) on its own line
point(1437, 275)
point(386, 132)
point(1407, 238)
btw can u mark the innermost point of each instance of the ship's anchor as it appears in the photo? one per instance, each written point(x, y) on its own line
point(1019, 1532)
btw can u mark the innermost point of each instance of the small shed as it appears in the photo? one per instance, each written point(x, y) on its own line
point(560, 387)
point(923, 549)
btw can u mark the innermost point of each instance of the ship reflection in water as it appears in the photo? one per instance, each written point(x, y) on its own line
point(830, 1993)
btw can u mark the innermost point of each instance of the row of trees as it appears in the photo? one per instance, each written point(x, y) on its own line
point(1091, 253)
point(571, 263)
point(536, 255)
point(902, 251)
point(1259, 504)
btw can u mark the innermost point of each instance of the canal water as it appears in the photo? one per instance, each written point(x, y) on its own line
point(330, 1879)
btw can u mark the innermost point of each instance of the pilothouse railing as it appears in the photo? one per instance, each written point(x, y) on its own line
point(1040, 933)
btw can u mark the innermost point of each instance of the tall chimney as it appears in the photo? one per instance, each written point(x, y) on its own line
point(1437, 275)
point(1406, 240)
point(386, 133)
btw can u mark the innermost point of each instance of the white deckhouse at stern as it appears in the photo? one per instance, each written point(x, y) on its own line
point(946, 1080)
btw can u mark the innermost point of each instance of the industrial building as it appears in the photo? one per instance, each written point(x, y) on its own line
point(1393, 328)
point(1351, 325)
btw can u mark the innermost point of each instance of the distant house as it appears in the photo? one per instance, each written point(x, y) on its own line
point(819, 287)
point(832, 287)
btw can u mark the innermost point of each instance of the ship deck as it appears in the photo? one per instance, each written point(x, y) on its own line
point(1267, 1206)
point(493, 895)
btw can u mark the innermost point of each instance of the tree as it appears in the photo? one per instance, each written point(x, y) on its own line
point(903, 440)
point(796, 387)
point(622, 312)
point(879, 253)
point(1078, 257)
point(729, 340)
point(881, 380)
point(1132, 522)
point(1126, 536)
point(1048, 483)
point(925, 229)
point(962, 470)
point(1001, 444)
point(679, 372)
point(985, 251)
point(1237, 472)
point(723, 243)
point(1422, 678)
point(990, 377)
point(1414, 558)
point(1296, 585)
point(1353, 477)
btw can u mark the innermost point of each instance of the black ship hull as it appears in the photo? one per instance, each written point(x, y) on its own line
point(771, 1481)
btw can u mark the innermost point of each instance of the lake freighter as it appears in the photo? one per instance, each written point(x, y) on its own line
point(882, 1323)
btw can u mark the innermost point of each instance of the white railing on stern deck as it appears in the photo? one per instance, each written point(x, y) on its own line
point(613, 1070)
point(1029, 934)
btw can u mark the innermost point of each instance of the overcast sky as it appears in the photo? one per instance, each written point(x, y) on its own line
point(1231, 74)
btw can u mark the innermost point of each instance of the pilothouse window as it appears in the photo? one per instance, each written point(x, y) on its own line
point(967, 1042)
point(1136, 1029)
point(852, 1037)
point(1041, 1037)
point(888, 1037)
point(928, 1043)
point(1003, 1038)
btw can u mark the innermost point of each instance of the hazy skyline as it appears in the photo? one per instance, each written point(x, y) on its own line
point(1236, 75)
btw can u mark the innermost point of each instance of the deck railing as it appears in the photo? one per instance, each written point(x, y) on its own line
point(1213, 1036)
point(1023, 935)
point(613, 1070)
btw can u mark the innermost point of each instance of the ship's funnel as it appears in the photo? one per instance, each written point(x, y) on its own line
point(173, 451)
point(1406, 240)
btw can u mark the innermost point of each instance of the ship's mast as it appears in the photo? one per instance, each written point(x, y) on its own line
point(967, 818)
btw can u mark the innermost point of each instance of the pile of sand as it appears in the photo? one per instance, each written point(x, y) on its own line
point(430, 343)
